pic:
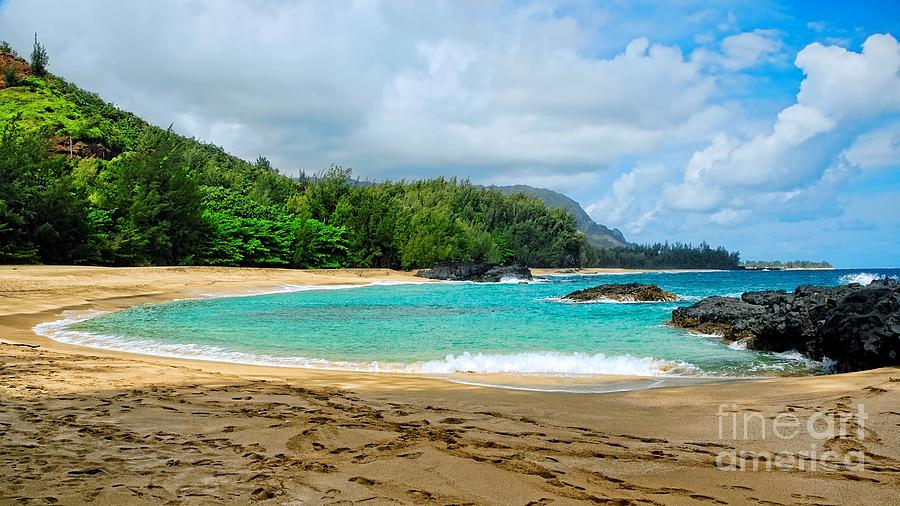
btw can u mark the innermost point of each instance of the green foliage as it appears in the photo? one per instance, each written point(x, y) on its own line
point(9, 75)
point(418, 224)
point(155, 204)
point(245, 232)
point(42, 213)
point(5, 48)
point(319, 245)
point(666, 256)
point(39, 58)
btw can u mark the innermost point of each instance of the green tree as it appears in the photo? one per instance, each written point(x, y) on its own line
point(39, 58)
point(153, 196)
point(5, 48)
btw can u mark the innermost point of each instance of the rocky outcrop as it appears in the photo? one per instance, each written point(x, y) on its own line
point(507, 273)
point(23, 70)
point(69, 147)
point(623, 292)
point(857, 327)
point(474, 271)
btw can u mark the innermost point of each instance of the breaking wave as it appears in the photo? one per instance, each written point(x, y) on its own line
point(863, 278)
point(555, 363)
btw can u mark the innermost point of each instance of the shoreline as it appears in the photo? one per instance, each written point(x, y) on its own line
point(214, 282)
point(248, 284)
point(114, 427)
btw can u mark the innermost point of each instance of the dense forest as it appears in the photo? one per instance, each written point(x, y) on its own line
point(82, 182)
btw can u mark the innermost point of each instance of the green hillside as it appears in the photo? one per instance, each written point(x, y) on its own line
point(597, 235)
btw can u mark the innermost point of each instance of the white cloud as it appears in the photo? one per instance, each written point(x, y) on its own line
point(518, 104)
point(537, 177)
point(846, 85)
point(410, 90)
point(797, 168)
point(749, 49)
point(877, 149)
point(730, 216)
point(743, 50)
point(627, 204)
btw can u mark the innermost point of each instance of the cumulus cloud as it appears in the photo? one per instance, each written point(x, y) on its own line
point(624, 204)
point(796, 169)
point(743, 50)
point(749, 49)
point(516, 104)
point(876, 149)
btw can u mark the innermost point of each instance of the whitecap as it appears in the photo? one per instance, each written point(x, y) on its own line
point(863, 278)
point(554, 363)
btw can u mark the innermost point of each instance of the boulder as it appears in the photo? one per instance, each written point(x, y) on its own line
point(727, 317)
point(623, 292)
point(855, 326)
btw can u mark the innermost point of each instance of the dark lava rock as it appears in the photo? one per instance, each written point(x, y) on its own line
point(456, 271)
point(495, 274)
point(623, 292)
point(473, 271)
point(858, 327)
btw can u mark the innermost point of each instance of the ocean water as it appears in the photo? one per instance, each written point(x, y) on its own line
point(446, 328)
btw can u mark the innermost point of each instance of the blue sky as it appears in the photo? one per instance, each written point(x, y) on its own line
point(768, 127)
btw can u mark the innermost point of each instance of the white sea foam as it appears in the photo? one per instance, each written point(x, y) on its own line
point(863, 278)
point(515, 280)
point(555, 363)
point(702, 334)
point(793, 355)
point(527, 363)
point(578, 389)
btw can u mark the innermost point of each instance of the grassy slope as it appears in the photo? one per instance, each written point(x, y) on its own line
point(57, 108)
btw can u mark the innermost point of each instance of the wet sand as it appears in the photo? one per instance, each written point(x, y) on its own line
point(79, 425)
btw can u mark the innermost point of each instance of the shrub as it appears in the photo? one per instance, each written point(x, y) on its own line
point(9, 75)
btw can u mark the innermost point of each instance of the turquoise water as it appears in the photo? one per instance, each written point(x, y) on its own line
point(455, 327)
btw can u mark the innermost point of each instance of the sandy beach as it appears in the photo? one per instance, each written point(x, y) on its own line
point(80, 425)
